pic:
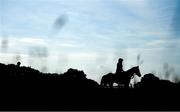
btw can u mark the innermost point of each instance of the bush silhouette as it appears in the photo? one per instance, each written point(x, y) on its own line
point(74, 74)
point(71, 78)
point(150, 81)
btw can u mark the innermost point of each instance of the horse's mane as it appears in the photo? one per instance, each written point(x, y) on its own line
point(131, 69)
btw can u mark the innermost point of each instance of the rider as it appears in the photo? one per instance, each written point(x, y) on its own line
point(119, 68)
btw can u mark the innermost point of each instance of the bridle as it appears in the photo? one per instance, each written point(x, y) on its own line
point(132, 76)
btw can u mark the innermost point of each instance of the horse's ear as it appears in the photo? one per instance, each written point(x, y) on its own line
point(137, 66)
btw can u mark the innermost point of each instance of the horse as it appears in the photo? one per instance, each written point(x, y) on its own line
point(121, 79)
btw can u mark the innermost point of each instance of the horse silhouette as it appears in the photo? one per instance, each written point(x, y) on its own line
point(121, 79)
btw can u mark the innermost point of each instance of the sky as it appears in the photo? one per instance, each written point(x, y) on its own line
point(90, 35)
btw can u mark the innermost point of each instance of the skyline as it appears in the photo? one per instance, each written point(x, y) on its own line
point(90, 35)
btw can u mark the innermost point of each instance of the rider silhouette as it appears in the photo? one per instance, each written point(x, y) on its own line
point(119, 68)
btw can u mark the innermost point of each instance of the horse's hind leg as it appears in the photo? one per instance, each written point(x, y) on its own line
point(126, 86)
point(106, 85)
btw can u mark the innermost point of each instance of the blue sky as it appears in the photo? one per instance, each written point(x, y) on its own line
point(90, 35)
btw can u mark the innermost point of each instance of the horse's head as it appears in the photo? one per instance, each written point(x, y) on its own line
point(137, 71)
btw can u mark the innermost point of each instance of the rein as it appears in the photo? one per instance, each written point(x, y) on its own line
point(132, 76)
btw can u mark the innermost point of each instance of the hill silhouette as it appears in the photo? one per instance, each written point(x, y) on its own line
point(25, 88)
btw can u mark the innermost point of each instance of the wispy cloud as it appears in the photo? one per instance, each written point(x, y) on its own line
point(71, 45)
point(34, 41)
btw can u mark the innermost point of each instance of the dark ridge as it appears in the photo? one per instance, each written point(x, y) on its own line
point(24, 88)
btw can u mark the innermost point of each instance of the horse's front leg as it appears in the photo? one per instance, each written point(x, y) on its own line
point(126, 85)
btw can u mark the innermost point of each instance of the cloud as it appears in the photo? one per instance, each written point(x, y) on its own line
point(9, 58)
point(166, 43)
point(82, 56)
point(175, 21)
point(138, 7)
point(24, 42)
point(34, 41)
point(68, 45)
point(156, 43)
